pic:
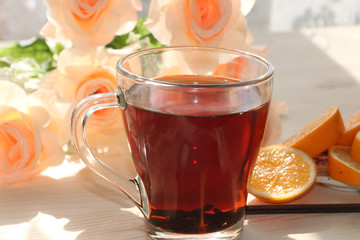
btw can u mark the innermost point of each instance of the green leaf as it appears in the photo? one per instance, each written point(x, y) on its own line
point(58, 48)
point(4, 64)
point(38, 50)
point(139, 34)
point(154, 42)
point(120, 42)
point(140, 28)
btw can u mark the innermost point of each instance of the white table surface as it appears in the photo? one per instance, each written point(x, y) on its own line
point(315, 69)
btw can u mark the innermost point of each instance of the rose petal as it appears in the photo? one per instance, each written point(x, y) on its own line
point(59, 110)
point(52, 154)
point(23, 143)
point(114, 55)
point(74, 57)
point(40, 116)
point(204, 23)
point(246, 6)
point(90, 23)
point(13, 95)
point(13, 150)
point(19, 153)
point(28, 151)
point(48, 30)
point(158, 18)
point(81, 74)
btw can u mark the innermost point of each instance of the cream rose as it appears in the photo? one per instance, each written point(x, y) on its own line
point(83, 73)
point(58, 108)
point(219, 23)
point(26, 146)
point(90, 22)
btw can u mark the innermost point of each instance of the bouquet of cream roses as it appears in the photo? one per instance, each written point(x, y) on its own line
point(81, 42)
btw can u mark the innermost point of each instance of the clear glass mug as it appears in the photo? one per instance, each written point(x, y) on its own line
point(194, 119)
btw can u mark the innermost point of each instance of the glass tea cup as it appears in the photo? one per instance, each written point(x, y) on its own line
point(194, 119)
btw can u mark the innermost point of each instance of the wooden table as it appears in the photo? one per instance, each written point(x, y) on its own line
point(314, 70)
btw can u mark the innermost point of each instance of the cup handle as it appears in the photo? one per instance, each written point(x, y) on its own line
point(133, 188)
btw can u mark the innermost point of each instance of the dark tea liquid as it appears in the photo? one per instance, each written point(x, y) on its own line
point(195, 168)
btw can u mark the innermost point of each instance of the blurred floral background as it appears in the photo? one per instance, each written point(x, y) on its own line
point(267, 15)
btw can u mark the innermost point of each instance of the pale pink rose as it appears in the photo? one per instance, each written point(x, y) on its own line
point(201, 23)
point(90, 22)
point(59, 109)
point(84, 73)
point(27, 147)
point(8, 98)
